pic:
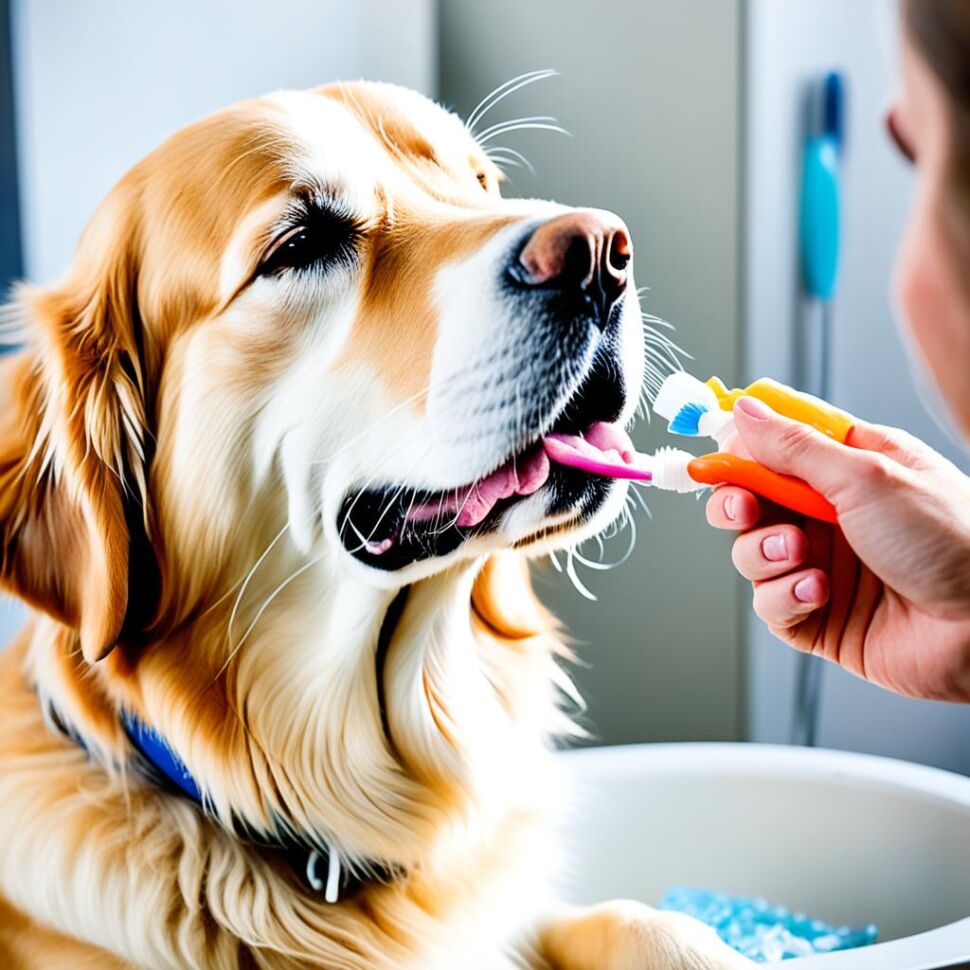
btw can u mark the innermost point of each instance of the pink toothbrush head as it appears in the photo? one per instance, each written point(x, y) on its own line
point(606, 449)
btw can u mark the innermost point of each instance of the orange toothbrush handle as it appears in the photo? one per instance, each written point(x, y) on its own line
point(723, 468)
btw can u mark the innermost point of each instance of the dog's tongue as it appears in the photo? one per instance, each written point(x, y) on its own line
point(468, 506)
point(521, 477)
point(605, 449)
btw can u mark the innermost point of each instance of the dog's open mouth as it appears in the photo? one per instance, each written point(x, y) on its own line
point(392, 526)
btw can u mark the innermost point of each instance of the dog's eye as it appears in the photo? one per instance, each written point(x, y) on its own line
point(319, 240)
point(482, 180)
point(292, 250)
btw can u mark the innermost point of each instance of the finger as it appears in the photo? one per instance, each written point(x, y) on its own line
point(769, 552)
point(785, 602)
point(796, 449)
point(897, 444)
point(733, 508)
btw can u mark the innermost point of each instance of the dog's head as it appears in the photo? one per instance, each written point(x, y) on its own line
point(312, 312)
point(306, 356)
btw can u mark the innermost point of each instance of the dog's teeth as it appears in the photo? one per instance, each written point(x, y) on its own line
point(379, 548)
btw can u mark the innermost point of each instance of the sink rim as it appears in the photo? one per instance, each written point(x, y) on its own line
point(944, 946)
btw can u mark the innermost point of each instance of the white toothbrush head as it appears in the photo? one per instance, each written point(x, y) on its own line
point(690, 407)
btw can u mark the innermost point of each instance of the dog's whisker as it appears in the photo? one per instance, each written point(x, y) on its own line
point(472, 490)
point(502, 161)
point(501, 92)
point(652, 317)
point(248, 579)
point(233, 587)
point(578, 584)
point(410, 508)
point(640, 499)
point(390, 502)
point(524, 120)
point(502, 155)
point(265, 605)
point(376, 474)
point(599, 542)
point(539, 123)
point(350, 511)
point(388, 505)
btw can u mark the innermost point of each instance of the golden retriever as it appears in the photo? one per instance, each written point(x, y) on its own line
point(271, 468)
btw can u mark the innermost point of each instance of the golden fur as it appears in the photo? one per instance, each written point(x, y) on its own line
point(150, 549)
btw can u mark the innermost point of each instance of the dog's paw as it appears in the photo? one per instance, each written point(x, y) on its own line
point(644, 939)
point(626, 935)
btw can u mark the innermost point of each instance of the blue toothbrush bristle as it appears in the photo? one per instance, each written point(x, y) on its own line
point(687, 421)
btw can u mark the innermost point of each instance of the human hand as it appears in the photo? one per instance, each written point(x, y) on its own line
point(886, 592)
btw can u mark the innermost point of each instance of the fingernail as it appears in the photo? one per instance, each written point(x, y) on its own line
point(808, 590)
point(773, 548)
point(752, 407)
point(729, 512)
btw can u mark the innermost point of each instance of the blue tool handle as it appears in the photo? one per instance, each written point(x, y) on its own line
point(833, 113)
point(819, 224)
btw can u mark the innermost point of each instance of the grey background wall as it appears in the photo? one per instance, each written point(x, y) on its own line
point(650, 93)
point(101, 83)
point(787, 43)
point(10, 254)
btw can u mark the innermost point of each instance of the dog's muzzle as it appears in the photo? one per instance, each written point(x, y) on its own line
point(584, 254)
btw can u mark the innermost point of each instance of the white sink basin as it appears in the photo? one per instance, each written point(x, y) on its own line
point(845, 837)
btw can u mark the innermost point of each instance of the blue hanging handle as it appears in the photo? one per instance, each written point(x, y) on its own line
point(820, 221)
point(820, 232)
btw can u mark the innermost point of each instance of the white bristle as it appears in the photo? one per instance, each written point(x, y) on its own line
point(679, 389)
point(669, 468)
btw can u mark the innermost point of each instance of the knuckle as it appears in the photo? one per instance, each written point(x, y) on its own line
point(737, 557)
point(741, 555)
point(769, 606)
point(761, 604)
point(795, 439)
point(763, 614)
point(876, 470)
point(900, 439)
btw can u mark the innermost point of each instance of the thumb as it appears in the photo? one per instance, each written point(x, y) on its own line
point(793, 448)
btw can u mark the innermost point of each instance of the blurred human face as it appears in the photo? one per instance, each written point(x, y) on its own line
point(932, 276)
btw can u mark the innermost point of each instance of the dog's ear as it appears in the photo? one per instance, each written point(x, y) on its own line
point(72, 432)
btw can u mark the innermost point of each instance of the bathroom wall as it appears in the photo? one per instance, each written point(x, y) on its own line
point(786, 45)
point(650, 93)
point(10, 257)
point(100, 83)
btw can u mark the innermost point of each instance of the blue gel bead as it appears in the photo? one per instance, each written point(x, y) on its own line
point(761, 931)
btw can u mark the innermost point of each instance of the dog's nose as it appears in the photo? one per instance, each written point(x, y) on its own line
point(588, 250)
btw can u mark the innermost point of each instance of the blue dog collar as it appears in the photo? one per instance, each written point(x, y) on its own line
point(157, 752)
point(320, 869)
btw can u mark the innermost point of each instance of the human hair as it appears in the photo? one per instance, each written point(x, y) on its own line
point(940, 32)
